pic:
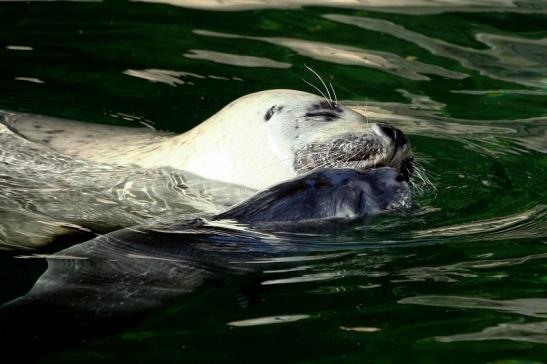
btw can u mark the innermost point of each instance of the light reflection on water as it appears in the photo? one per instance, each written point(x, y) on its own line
point(508, 58)
point(404, 6)
point(529, 332)
point(466, 264)
point(338, 54)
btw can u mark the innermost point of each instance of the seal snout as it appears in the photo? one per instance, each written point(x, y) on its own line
point(407, 168)
point(389, 131)
point(401, 156)
point(397, 136)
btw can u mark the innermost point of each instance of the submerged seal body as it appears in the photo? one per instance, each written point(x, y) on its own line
point(133, 270)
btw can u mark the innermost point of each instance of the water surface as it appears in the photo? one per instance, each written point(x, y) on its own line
point(459, 277)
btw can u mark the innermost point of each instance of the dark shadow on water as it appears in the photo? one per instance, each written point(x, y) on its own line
point(37, 332)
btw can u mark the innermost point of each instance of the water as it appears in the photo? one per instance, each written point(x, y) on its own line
point(459, 277)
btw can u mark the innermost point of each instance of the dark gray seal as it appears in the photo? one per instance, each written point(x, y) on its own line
point(94, 284)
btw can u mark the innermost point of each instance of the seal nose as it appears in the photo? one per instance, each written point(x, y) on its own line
point(402, 157)
point(397, 136)
point(389, 131)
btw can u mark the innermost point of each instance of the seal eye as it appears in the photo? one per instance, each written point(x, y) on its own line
point(271, 111)
point(324, 114)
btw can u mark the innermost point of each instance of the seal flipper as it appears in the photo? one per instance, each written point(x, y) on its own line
point(105, 283)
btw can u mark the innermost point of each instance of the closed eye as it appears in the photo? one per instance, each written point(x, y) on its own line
point(324, 114)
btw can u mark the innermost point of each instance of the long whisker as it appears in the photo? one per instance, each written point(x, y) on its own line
point(366, 108)
point(323, 82)
point(422, 180)
point(317, 88)
point(334, 92)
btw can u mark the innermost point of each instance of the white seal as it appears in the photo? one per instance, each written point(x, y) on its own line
point(256, 141)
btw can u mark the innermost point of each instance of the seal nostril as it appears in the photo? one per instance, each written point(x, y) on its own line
point(361, 203)
point(394, 134)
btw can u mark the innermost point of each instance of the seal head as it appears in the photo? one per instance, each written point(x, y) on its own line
point(342, 194)
point(271, 136)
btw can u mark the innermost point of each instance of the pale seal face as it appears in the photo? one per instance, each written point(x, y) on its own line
point(267, 137)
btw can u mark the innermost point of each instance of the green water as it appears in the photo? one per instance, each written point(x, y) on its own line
point(461, 277)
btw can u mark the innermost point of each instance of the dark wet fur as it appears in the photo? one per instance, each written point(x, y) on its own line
point(128, 272)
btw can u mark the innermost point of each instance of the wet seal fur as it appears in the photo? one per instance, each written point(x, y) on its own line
point(130, 175)
point(95, 285)
point(174, 250)
point(256, 141)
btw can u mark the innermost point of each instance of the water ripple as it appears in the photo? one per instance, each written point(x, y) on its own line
point(171, 78)
point(526, 224)
point(268, 320)
point(508, 58)
point(346, 55)
point(529, 332)
point(535, 332)
point(461, 270)
point(396, 6)
point(19, 48)
point(235, 59)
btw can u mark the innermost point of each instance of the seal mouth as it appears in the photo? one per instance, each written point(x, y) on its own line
point(387, 147)
point(407, 168)
point(350, 151)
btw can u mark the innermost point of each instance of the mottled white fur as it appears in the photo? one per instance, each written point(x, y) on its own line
point(236, 145)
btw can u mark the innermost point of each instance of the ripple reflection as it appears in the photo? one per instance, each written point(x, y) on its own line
point(346, 55)
point(528, 332)
point(235, 59)
point(508, 58)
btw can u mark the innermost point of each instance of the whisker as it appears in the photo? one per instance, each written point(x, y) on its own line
point(318, 90)
point(366, 108)
point(422, 179)
point(323, 82)
point(334, 92)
